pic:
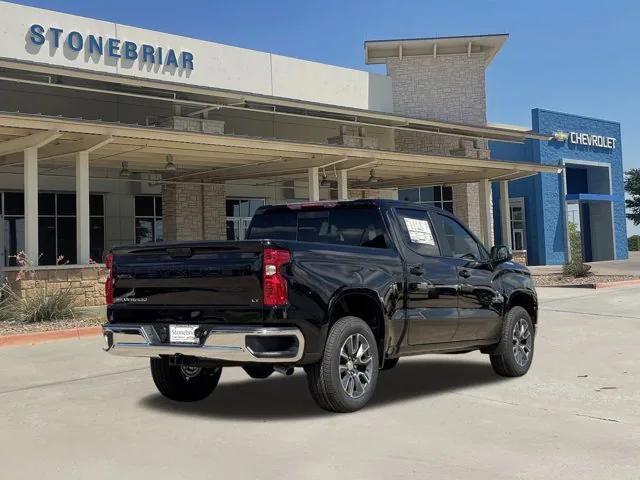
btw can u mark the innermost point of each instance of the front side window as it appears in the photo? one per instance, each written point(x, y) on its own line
point(456, 241)
point(417, 231)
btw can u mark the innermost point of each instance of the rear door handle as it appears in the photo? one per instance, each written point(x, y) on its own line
point(464, 273)
point(416, 270)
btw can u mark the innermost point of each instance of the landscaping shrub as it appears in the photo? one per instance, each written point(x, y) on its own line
point(38, 304)
point(576, 266)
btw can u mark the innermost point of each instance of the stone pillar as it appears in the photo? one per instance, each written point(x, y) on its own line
point(448, 88)
point(193, 211)
point(215, 212)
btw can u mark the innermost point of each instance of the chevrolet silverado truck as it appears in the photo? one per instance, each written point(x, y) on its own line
point(342, 289)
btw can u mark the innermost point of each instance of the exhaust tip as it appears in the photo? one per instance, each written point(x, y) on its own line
point(284, 370)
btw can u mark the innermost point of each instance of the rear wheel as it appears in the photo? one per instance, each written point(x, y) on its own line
point(345, 379)
point(184, 383)
point(512, 357)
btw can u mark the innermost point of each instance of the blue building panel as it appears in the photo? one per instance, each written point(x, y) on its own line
point(592, 151)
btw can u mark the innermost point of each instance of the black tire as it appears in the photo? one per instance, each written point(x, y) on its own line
point(389, 363)
point(258, 371)
point(326, 377)
point(508, 358)
point(174, 383)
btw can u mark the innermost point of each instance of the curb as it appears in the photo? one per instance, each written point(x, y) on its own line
point(596, 286)
point(52, 335)
point(621, 283)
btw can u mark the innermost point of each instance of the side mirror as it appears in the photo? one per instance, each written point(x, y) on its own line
point(500, 254)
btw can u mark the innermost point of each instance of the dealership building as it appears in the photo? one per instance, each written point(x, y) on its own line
point(112, 134)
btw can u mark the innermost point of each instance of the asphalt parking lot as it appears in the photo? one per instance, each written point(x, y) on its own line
point(70, 411)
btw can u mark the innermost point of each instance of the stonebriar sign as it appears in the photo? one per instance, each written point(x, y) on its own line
point(113, 48)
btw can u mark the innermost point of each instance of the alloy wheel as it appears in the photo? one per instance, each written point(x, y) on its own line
point(522, 342)
point(356, 365)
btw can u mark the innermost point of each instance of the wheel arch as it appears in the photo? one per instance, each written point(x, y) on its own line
point(526, 300)
point(364, 304)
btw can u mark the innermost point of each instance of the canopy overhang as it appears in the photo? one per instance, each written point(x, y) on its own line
point(219, 158)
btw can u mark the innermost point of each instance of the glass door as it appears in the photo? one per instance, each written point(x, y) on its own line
point(239, 214)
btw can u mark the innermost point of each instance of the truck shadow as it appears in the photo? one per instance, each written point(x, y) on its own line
point(284, 398)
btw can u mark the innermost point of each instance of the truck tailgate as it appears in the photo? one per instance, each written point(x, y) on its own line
point(208, 274)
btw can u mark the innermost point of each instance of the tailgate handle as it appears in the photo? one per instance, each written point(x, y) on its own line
point(179, 252)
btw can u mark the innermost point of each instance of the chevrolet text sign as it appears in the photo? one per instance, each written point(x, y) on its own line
point(590, 140)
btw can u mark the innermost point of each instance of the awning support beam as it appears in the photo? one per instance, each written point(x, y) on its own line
point(71, 148)
point(35, 140)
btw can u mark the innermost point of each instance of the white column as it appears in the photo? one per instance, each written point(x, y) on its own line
point(485, 212)
point(31, 204)
point(82, 208)
point(343, 186)
point(314, 184)
point(505, 213)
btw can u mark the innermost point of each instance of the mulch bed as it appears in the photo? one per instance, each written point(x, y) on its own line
point(557, 280)
point(15, 328)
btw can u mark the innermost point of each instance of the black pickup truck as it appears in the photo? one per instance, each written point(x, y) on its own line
point(343, 289)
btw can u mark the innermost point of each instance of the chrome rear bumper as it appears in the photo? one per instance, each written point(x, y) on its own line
point(225, 343)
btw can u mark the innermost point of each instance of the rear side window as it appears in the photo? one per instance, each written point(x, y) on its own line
point(341, 226)
point(273, 224)
point(417, 231)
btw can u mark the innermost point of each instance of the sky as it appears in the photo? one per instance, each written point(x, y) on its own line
point(579, 57)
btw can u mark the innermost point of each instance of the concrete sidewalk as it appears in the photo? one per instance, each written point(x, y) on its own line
point(71, 412)
point(631, 266)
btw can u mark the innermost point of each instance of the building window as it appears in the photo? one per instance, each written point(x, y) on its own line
point(56, 227)
point(518, 224)
point(148, 218)
point(439, 196)
point(239, 214)
point(12, 211)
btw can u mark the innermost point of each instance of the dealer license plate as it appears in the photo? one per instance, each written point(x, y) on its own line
point(183, 333)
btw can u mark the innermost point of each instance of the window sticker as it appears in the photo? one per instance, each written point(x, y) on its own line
point(419, 231)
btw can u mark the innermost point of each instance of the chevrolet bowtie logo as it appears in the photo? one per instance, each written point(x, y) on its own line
point(560, 136)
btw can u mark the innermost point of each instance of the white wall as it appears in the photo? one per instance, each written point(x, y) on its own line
point(215, 65)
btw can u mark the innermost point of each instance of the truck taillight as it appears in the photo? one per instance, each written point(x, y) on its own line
point(274, 285)
point(108, 284)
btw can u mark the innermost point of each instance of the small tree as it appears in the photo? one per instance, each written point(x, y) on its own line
point(634, 243)
point(632, 186)
point(575, 267)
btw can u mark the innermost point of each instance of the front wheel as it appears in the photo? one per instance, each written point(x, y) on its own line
point(184, 383)
point(513, 355)
point(345, 379)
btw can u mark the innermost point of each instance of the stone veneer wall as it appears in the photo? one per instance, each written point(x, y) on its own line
point(449, 88)
point(86, 283)
point(193, 212)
